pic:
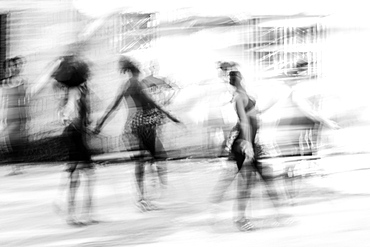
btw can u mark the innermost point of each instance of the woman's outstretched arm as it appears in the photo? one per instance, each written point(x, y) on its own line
point(113, 106)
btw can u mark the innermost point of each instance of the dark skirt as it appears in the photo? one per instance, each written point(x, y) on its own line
point(234, 141)
point(143, 125)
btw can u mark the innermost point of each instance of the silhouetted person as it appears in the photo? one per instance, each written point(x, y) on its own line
point(216, 124)
point(73, 73)
point(14, 92)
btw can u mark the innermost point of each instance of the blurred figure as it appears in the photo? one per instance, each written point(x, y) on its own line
point(15, 99)
point(298, 116)
point(73, 74)
point(299, 123)
point(161, 90)
point(246, 154)
point(162, 93)
point(220, 97)
point(143, 124)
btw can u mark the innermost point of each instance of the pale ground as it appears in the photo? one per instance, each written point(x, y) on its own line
point(330, 211)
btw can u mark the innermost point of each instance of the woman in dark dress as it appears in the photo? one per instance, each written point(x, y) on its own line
point(73, 74)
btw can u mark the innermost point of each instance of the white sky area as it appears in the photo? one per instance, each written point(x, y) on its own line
point(96, 8)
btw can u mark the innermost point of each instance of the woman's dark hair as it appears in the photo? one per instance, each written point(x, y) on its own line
point(72, 71)
point(126, 64)
point(235, 73)
point(17, 58)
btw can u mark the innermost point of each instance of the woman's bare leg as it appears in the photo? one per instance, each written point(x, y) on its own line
point(244, 188)
point(89, 194)
point(73, 186)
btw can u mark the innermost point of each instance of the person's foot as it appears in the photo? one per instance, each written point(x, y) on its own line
point(13, 173)
point(244, 225)
point(143, 205)
point(90, 221)
point(74, 222)
point(153, 206)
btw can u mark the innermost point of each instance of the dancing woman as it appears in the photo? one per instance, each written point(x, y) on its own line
point(148, 115)
point(72, 73)
point(246, 154)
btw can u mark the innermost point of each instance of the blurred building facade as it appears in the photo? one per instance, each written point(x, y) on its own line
point(265, 45)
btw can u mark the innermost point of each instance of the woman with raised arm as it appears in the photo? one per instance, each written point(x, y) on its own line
point(148, 115)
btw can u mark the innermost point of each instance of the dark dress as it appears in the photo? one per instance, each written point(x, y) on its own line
point(73, 72)
point(75, 133)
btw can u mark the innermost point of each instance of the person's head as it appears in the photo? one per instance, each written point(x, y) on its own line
point(15, 65)
point(235, 78)
point(225, 66)
point(224, 69)
point(127, 65)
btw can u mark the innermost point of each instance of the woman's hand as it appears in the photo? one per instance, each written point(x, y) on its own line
point(98, 127)
point(246, 148)
point(96, 130)
point(174, 119)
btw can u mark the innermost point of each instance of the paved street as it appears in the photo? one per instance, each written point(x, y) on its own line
point(333, 210)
